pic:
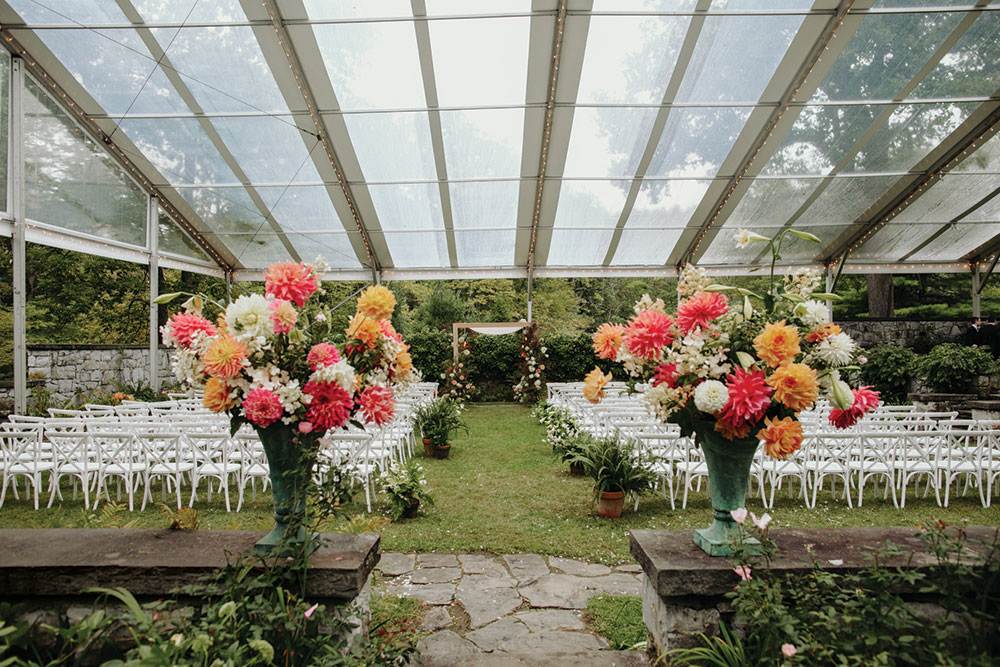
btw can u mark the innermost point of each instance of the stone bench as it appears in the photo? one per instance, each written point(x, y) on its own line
point(684, 588)
point(47, 570)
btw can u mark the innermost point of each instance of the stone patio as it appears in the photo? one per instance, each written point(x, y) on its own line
point(518, 609)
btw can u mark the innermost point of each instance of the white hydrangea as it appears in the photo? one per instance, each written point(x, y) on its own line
point(249, 319)
point(341, 373)
point(813, 313)
point(836, 350)
point(290, 395)
point(711, 396)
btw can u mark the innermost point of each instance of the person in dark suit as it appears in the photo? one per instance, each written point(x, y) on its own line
point(974, 334)
point(991, 336)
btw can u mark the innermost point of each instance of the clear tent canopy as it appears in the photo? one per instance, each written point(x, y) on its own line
point(408, 139)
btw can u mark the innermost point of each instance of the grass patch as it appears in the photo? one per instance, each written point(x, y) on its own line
point(395, 623)
point(503, 491)
point(617, 618)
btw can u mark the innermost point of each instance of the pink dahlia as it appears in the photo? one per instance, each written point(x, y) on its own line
point(701, 309)
point(262, 407)
point(183, 327)
point(665, 374)
point(283, 315)
point(377, 404)
point(330, 407)
point(648, 333)
point(389, 331)
point(865, 400)
point(749, 396)
point(322, 355)
point(293, 281)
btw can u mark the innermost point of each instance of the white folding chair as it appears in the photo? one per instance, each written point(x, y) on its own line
point(213, 458)
point(21, 456)
point(119, 455)
point(72, 456)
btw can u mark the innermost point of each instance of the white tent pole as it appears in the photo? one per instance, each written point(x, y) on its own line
point(153, 235)
point(830, 279)
point(18, 244)
point(976, 294)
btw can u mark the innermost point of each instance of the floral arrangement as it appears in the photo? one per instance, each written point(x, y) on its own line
point(560, 426)
point(404, 488)
point(741, 370)
point(457, 383)
point(269, 359)
point(533, 358)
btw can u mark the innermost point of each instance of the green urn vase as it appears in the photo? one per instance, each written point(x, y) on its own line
point(729, 463)
point(289, 473)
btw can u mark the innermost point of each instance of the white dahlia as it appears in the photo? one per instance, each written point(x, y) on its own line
point(836, 350)
point(711, 396)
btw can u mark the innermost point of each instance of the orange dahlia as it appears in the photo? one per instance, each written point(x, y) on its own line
point(648, 333)
point(822, 332)
point(404, 362)
point(289, 280)
point(777, 343)
point(217, 398)
point(730, 430)
point(225, 357)
point(607, 340)
point(364, 329)
point(781, 437)
point(701, 309)
point(283, 315)
point(593, 385)
point(376, 302)
point(795, 386)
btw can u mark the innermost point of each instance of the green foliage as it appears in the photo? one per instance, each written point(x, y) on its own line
point(492, 365)
point(864, 617)
point(560, 425)
point(404, 487)
point(614, 467)
point(438, 420)
point(395, 627)
point(889, 369)
point(951, 367)
point(441, 309)
point(430, 349)
point(6, 345)
point(725, 650)
point(618, 618)
point(571, 357)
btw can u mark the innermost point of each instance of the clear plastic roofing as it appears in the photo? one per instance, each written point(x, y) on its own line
point(438, 138)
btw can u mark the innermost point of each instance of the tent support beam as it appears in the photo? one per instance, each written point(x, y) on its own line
point(550, 105)
point(18, 243)
point(946, 226)
point(953, 156)
point(976, 289)
point(982, 279)
point(152, 226)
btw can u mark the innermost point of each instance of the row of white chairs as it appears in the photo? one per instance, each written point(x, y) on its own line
point(897, 446)
point(179, 443)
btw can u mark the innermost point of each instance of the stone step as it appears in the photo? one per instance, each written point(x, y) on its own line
point(536, 658)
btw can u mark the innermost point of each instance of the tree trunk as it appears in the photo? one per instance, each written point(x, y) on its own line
point(880, 296)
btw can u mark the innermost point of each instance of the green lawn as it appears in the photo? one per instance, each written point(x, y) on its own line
point(502, 491)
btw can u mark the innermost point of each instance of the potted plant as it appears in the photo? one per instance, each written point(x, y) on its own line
point(439, 420)
point(617, 471)
point(571, 449)
point(404, 489)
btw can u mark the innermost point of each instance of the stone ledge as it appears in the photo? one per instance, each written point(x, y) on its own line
point(676, 567)
point(62, 562)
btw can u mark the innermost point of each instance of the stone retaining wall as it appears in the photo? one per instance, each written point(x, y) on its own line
point(904, 333)
point(69, 371)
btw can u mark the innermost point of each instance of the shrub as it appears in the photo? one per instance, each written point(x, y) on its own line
point(889, 369)
point(951, 367)
point(430, 349)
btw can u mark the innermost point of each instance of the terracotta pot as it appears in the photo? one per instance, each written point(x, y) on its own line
point(576, 469)
point(428, 447)
point(610, 504)
point(441, 451)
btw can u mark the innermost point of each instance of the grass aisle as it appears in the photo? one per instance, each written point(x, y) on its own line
point(503, 491)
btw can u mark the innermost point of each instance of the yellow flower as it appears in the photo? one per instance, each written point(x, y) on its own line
point(364, 329)
point(777, 343)
point(224, 357)
point(795, 386)
point(404, 362)
point(607, 340)
point(781, 438)
point(377, 302)
point(593, 385)
point(217, 398)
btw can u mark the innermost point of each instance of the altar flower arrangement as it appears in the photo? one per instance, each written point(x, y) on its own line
point(734, 368)
point(270, 361)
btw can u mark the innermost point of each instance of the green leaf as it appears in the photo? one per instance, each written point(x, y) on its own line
point(745, 292)
point(167, 298)
point(720, 288)
point(806, 236)
point(827, 296)
point(844, 399)
point(746, 359)
point(747, 307)
point(794, 298)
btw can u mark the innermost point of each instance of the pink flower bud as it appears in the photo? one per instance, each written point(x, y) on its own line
point(305, 427)
point(739, 515)
point(788, 650)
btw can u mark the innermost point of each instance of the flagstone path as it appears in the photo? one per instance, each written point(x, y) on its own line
point(520, 609)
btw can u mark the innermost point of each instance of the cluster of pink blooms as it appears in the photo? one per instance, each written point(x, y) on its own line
point(243, 372)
